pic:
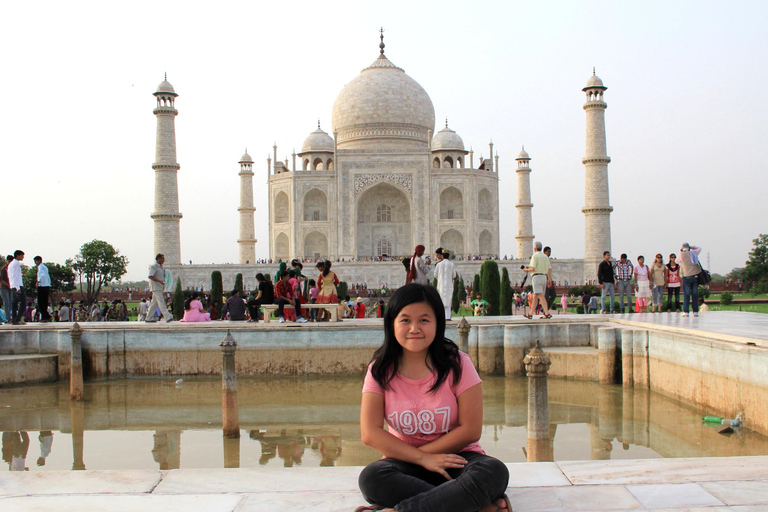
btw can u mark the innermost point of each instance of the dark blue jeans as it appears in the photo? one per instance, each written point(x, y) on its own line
point(691, 293)
point(411, 488)
point(19, 305)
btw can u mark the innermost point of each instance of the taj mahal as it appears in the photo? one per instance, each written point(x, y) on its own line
point(382, 181)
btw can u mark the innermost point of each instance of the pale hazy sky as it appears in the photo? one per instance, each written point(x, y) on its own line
point(686, 118)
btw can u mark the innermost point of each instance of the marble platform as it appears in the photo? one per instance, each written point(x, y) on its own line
point(737, 484)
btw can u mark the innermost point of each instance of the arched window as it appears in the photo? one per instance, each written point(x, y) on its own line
point(436, 163)
point(448, 163)
point(317, 164)
point(485, 205)
point(282, 208)
point(383, 247)
point(383, 213)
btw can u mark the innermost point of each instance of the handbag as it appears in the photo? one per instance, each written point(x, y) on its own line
point(704, 277)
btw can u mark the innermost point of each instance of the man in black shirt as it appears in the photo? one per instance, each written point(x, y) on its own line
point(605, 278)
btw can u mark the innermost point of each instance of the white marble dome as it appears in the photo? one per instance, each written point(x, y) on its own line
point(382, 102)
point(594, 81)
point(318, 140)
point(246, 158)
point(523, 155)
point(447, 139)
point(165, 86)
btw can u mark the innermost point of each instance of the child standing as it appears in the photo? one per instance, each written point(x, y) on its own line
point(313, 292)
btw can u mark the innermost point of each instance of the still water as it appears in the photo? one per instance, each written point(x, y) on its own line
point(310, 422)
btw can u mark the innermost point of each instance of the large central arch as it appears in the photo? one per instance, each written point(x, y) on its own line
point(383, 213)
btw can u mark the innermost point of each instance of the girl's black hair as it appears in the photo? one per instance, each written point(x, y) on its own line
point(291, 274)
point(311, 282)
point(260, 277)
point(188, 302)
point(443, 353)
point(326, 267)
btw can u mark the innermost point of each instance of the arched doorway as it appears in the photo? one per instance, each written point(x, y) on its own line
point(453, 241)
point(486, 243)
point(315, 205)
point(451, 204)
point(383, 213)
point(315, 245)
point(282, 207)
point(281, 247)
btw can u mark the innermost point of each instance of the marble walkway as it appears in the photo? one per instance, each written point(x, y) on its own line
point(737, 484)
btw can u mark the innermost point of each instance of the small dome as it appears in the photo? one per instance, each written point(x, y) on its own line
point(594, 81)
point(246, 158)
point(165, 86)
point(318, 140)
point(447, 139)
point(523, 155)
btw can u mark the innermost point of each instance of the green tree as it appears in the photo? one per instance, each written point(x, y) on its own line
point(217, 290)
point(341, 289)
point(239, 285)
point(434, 282)
point(475, 286)
point(62, 278)
point(98, 263)
point(489, 285)
point(756, 268)
point(506, 297)
point(462, 290)
point(726, 299)
point(178, 301)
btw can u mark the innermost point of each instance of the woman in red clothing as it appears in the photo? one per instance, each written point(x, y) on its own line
point(326, 282)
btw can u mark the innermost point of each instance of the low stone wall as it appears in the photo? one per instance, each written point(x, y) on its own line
point(722, 374)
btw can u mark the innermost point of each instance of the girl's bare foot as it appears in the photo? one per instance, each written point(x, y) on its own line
point(497, 506)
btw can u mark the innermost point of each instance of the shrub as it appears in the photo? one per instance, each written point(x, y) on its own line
point(178, 301)
point(726, 298)
point(506, 298)
point(475, 286)
point(462, 290)
point(591, 289)
point(455, 297)
point(704, 292)
point(239, 285)
point(489, 285)
point(341, 289)
point(217, 289)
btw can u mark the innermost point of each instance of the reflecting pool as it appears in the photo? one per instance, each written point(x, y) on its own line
point(308, 421)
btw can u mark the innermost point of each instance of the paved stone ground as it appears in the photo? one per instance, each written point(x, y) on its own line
point(737, 484)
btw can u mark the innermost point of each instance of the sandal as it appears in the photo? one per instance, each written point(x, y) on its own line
point(366, 508)
point(529, 317)
point(545, 317)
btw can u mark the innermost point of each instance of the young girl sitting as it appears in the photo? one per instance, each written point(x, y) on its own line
point(431, 398)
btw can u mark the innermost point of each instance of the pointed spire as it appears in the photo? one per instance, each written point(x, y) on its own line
point(166, 76)
point(446, 121)
point(523, 147)
point(593, 71)
point(381, 44)
point(318, 123)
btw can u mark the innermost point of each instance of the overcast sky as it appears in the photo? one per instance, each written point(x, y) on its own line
point(686, 118)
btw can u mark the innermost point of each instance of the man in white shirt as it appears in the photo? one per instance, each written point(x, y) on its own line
point(17, 287)
point(43, 289)
point(157, 282)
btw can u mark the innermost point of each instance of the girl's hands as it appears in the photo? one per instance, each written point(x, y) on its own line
point(439, 462)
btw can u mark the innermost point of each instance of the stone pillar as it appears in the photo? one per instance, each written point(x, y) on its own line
point(229, 410)
point(166, 215)
point(77, 420)
point(247, 239)
point(524, 207)
point(609, 412)
point(601, 448)
point(537, 365)
point(640, 359)
point(597, 210)
point(516, 338)
point(76, 364)
point(627, 344)
point(628, 415)
point(463, 329)
point(606, 354)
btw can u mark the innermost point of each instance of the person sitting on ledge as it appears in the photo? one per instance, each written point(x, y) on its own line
point(431, 398)
point(235, 307)
point(193, 310)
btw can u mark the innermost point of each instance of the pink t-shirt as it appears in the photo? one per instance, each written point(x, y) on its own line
point(313, 292)
point(415, 415)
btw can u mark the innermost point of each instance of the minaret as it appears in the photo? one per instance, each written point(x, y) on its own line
point(524, 206)
point(166, 214)
point(246, 240)
point(597, 210)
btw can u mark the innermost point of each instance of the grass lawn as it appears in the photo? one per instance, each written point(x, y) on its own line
point(750, 308)
point(716, 296)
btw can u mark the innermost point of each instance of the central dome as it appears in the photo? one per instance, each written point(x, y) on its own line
point(382, 106)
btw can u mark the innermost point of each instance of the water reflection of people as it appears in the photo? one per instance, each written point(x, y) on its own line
point(46, 441)
point(330, 449)
point(290, 448)
point(166, 451)
point(15, 448)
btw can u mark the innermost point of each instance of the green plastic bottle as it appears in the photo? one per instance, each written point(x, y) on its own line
point(712, 419)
